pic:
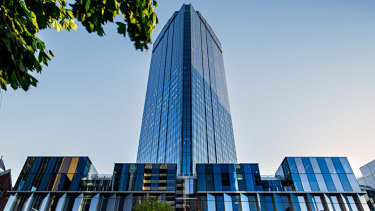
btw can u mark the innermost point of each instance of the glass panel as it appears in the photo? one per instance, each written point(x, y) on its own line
point(353, 183)
point(285, 203)
point(46, 202)
point(29, 203)
point(317, 203)
point(217, 178)
point(11, 200)
point(313, 182)
point(244, 203)
point(77, 202)
point(346, 165)
point(266, 203)
point(236, 203)
point(345, 182)
point(330, 166)
point(349, 203)
point(201, 182)
point(333, 203)
point(321, 183)
point(307, 164)
point(305, 182)
point(297, 182)
point(337, 182)
point(60, 202)
point(292, 165)
point(329, 182)
point(253, 203)
point(94, 203)
point(211, 202)
point(302, 203)
point(228, 202)
point(315, 165)
point(111, 202)
point(323, 165)
point(300, 167)
point(364, 203)
point(337, 163)
point(219, 203)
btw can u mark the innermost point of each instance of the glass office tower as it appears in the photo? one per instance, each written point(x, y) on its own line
point(186, 117)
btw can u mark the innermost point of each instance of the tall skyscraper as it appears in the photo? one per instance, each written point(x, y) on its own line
point(186, 117)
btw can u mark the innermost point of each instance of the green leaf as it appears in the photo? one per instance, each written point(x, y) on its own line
point(87, 5)
point(121, 28)
point(56, 25)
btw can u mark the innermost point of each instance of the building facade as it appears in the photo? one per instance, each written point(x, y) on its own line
point(300, 183)
point(367, 183)
point(5, 187)
point(186, 118)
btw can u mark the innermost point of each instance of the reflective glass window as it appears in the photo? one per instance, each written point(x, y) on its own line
point(315, 165)
point(297, 182)
point(292, 165)
point(329, 182)
point(285, 203)
point(211, 202)
point(333, 203)
point(305, 182)
point(337, 182)
point(302, 203)
point(300, 167)
point(219, 203)
point(350, 203)
point(346, 165)
point(253, 203)
point(345, 182)
point(308, 166)
point(321, 183)
point(330, 165)
point(323, 165)
point(339, 167)
point(313, 182)
point(317, 203)
point(236, 203)
point(353, 183)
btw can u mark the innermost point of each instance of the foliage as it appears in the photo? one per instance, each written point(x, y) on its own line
point(153, 205)
point(22, 53)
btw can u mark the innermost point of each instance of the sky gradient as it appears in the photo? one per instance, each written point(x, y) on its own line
point(300, 76)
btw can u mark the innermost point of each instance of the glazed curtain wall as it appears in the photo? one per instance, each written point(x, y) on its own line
point(186, 117)
point(144, 177)
point(53, 173)
point(324, 174)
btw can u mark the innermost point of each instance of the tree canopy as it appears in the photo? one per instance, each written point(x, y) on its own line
point(22, 53)
point(153, 205)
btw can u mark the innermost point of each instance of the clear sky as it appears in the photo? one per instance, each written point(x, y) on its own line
point(300, 75)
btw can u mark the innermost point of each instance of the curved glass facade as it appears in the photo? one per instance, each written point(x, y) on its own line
point(186, 117)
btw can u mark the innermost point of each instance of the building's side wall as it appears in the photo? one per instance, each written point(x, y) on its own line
point(53, 173)
point(212, 134)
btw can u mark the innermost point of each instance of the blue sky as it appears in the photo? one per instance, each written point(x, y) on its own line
point(300, 75)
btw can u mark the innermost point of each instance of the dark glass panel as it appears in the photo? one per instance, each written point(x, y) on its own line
point(292, 165)
point(313, 182)
point(329, 182)
point(219, 203)
point(338, 166)
point(308, 166)
point(323, 165)
point(345, 182)
point(297, 182)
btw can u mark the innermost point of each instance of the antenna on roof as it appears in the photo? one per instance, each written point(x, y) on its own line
point(2, 165)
